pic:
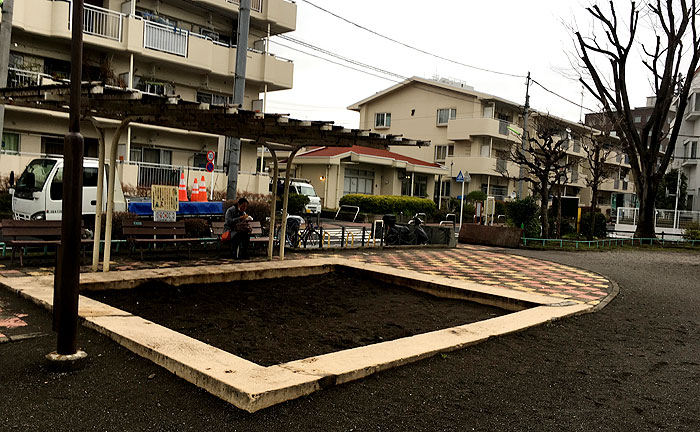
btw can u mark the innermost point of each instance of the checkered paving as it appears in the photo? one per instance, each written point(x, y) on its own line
point(478, 264)
point(488, 267)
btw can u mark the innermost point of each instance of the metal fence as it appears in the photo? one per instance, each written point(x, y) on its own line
point(165, 38)
point(664, 218)
point(17, 78)
point(103, 22)
point(150, 174)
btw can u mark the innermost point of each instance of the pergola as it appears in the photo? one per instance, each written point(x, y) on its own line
point(276, 132)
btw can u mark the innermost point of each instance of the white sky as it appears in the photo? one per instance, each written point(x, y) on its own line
point(513, 36)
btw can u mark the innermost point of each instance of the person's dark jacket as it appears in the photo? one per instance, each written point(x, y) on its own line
point(233, 216)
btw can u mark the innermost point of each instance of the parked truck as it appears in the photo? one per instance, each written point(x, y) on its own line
point(38, 193)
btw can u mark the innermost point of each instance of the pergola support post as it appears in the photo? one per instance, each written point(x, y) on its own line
point(273, 204)
point(285, 202)
point(100, 190)
point(110, 191)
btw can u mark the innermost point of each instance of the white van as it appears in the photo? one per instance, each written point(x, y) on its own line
point(304, 188)
point(38, 194)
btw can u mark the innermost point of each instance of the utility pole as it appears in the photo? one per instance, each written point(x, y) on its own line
point(526, 114)
point(233, 145)
point(67, 275)
point(5, 42)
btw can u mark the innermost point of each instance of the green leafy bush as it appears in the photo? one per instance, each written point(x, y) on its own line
point(475, 196)
point(692, 231)
point(600, 228)
point(295, 203)
point(524, 214)
point(385, 204)
point(197, 228)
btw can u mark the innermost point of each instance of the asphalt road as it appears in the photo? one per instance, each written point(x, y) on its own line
point(635, 365)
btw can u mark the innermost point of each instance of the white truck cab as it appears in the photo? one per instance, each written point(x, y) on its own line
point(38, 194)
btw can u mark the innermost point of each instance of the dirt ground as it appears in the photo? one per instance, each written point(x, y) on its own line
point(280, 320)
point(635, 365)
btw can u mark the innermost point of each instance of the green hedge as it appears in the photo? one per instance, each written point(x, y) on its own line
point(385, 204)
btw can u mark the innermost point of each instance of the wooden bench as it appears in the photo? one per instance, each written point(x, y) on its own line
point(24, 234)
point(256, 234)
point(151, 233)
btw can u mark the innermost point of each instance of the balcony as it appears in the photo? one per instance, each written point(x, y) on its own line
point(113, 31)
point(255, 5)
point(465, 129)
point(481, 165)
point(17, 78)
point(165, 38)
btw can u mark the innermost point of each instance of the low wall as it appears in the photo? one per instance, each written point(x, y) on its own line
point(490, 235)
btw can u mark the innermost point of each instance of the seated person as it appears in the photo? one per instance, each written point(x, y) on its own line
point(240, 237)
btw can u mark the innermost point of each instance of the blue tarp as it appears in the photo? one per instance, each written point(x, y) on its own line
point(186, 208)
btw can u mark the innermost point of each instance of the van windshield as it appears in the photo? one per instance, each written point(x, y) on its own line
point(34, 176)
point(307, 190)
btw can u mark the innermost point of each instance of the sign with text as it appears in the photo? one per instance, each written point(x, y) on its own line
point(164, 198)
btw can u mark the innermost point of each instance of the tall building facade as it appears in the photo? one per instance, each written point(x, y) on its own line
point(686, 152)
point(184, 48)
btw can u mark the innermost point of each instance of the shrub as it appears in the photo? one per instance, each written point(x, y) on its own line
point(500, 208)
point(600, 227)
point(197, 228)
point(475, 196)
point(258, 205)
point(692, 231)
point(295, 204)
point(385, 204)
point(524, 213)
point(118, 219)
point(468, 216)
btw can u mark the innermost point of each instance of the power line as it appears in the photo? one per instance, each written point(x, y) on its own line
point(561, 97)
point(411, 46)
point(334, 62)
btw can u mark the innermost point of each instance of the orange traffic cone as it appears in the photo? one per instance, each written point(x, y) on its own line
point(195, 191)
point(203, 190)
point(182, 190)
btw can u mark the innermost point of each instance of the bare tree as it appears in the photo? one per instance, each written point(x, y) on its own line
point(600, 149)
point(675, 48)
point(544, 161)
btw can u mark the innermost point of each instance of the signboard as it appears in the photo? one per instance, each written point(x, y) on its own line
point(210, 167)
point(164, 216)
point(460, 178)
point(210, 156)
point(164, 198)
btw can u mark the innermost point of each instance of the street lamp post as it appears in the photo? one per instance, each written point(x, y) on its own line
point(67, 275)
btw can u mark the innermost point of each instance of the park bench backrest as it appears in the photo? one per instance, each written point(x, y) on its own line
point(151, 229)
point(217, 228)
point(39, 229)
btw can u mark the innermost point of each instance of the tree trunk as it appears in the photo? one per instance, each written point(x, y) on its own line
point(559, 212)
point(544, 204)
point(594, 204)
point(645, 223)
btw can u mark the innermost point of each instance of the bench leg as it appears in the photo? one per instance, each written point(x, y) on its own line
point(12, 257)
point(21, 260)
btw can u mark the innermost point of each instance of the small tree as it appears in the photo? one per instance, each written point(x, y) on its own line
point(672, 50)
point(544, 160)
point(600, 149)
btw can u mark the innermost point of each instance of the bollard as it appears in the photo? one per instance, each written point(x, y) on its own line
point(351, 235)
point(320, 237)
point(363, 236)
point(342, 237)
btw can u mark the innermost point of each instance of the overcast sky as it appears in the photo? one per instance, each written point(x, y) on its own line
point(512, 36)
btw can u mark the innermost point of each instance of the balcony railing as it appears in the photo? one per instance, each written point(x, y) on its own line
point(165, 38)
point(255, 5)
point(100, 22)
point(17, 78)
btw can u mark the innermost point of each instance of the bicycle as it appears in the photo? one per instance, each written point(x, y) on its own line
point(309, 236)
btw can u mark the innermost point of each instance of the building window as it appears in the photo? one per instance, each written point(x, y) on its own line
point(152, 156)
point(214, 99)
point(382, 120)
point(445, 192)
point(10, 142)
point(358, 182)
point(153, 86)
point(446, 114)
point(637, 119)
point(577, 146)
point(420, 186)
point(444, 151)
point(200, 160)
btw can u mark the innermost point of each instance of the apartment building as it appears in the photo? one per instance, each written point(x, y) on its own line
point(686, 152)
point(184, 48)
point(470, 131)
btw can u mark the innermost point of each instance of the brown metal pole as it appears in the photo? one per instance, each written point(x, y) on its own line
point(68, 271)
